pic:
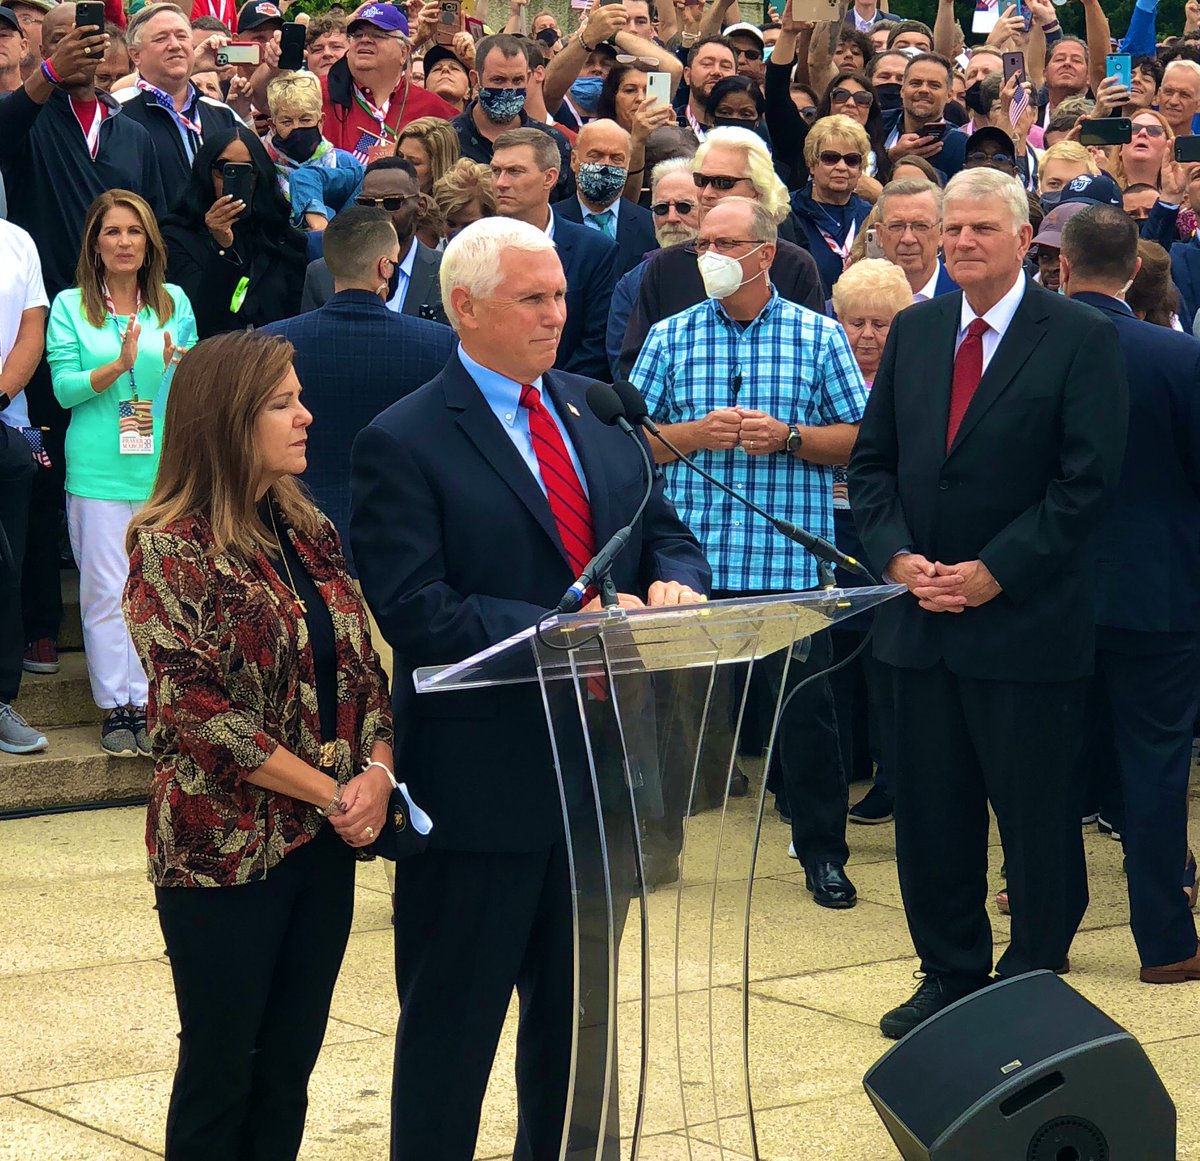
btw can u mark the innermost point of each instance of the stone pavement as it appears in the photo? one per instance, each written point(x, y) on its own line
point(87, 1040)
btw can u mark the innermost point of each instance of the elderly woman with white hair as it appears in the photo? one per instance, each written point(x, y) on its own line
point(729, 163)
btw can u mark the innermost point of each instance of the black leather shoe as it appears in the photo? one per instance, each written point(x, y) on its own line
point(932, 995)
point(830, 887)
point(739, 784)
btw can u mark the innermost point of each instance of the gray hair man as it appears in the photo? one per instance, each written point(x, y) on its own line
point(910, 232)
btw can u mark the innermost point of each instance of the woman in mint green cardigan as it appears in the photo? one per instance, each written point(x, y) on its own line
point(108, 342)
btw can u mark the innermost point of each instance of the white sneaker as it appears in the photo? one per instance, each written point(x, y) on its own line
point(16, 735)
point(792, 851)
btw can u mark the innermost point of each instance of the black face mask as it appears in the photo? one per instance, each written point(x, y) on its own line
point(300, 144)
point(974, 99)
point(889, 96)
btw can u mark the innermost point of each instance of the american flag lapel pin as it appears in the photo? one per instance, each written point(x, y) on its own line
point(573, 410)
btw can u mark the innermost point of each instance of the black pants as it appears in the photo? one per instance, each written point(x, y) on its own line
point(17, 471)
point(1147, 686)
point(254, 969)
point(41, 589)
point(960, 743)
point(862, 699)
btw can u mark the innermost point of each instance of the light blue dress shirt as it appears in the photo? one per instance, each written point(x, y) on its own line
point(503, 396)
point(403, 278)
point(592, 225)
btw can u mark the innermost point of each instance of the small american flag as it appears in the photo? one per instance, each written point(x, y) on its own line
point(1018, 105)
point(37, 445)
point(365, 141)
point(134, 420)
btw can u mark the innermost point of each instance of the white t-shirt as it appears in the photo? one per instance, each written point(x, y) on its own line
point(21, 289)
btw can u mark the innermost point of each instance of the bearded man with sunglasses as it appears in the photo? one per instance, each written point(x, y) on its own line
point(390, 184)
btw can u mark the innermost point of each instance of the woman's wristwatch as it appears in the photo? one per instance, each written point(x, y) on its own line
point(335, 804)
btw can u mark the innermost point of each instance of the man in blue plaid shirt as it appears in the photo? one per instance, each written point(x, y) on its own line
point(766, 396)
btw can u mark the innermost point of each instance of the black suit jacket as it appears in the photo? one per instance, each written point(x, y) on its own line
point(424, 297)
point(1148, 546)
point(1024, 486)
point(589, 261)
point(457, 550)
point(635, 230)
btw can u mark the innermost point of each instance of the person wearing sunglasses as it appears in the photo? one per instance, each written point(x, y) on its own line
point(1140, 160)
point(750, 49)
point(828, 209)
point(391, 185)
point(851, 94)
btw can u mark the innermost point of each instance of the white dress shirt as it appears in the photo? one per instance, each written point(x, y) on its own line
point(404, 273)
point(997, 319)
point(928, 291)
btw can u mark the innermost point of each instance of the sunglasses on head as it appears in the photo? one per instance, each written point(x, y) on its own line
point(717, 181)
point(391, 204)
point(830, 158)
point(843, 95)
point(662, 209)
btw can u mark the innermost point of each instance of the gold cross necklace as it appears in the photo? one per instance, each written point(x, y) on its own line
point(283, 556)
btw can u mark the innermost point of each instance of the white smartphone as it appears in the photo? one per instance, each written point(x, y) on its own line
point(658, 88)
point(233, 53)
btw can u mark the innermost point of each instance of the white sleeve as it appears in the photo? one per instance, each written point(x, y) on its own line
point(35, 288)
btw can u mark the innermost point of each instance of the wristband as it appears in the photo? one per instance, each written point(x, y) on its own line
point(1050, 27)
point(390, 775)
point(50, 75)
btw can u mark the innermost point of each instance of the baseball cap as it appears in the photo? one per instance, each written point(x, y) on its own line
point(257, 12)
point(439, 53)
point(9, 17)
point(386, 17)
point(990, 135)
point(43, 5)
point(1051, 230)
point(1092, 188)
point(748, 28)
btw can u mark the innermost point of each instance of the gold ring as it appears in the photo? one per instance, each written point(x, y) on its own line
point(369, 831)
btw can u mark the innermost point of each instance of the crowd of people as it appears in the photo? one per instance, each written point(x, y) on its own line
point(872, 278)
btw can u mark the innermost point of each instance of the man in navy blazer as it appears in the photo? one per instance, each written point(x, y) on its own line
point(600, 161)
point(1147, 680)
point(924, 94)
point(525, 169)
point(910, 233)
point(458, 548)
point(354, 357)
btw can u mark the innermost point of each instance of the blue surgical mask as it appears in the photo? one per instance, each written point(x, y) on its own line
point(601, 184)
point(501, 105)
point(585, 92)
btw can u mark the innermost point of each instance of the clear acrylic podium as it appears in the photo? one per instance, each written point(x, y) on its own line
point(644, 711)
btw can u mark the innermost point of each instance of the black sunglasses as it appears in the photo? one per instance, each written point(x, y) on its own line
point(391, 204)
point(843, 95)
point(717, 181)
point(830, 158)
point(750, 53)
point(662, 209)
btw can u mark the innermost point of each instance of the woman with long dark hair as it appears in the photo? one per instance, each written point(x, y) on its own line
point(844, 96)
point(240, 265)
point(623, 91)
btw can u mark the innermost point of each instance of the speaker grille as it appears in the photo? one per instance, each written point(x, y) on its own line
point(1068, 1139)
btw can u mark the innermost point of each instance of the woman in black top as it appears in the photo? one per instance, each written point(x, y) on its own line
point(242, 267)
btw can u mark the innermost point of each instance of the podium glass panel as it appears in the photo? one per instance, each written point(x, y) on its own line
point(644, 710)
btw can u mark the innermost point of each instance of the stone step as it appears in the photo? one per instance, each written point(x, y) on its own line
point(53, 700)
point(70, 633)
point(74, 771)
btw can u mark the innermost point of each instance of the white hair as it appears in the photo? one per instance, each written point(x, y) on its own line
point(472, 258)
point(760, 169)
point(972, 185)
point(1187, 65)
point(671, 165)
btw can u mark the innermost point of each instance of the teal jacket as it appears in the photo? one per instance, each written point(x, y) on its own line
point(96, 469)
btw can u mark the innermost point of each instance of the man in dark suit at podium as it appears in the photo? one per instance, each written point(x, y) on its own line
point(991, 445)
point(476, 502)
point(1147, 684)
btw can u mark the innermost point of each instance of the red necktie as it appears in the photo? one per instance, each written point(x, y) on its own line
point(568, 501)
point(968, 370)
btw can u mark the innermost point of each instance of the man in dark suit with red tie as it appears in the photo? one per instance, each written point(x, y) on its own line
point(476, 501)
point(990, 448)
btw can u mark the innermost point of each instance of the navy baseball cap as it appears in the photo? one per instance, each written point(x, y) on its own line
point(9, 17)
point(1096, 188)
point(386, 17)
point(439, 53)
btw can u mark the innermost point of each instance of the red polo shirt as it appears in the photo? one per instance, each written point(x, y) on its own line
point(345, 126)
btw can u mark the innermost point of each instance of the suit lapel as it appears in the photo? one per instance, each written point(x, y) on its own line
point(569, 402)
point(1019, 341)
point(937, 354)
point(482, 428)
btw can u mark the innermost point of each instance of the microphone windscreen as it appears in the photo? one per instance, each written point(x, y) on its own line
point(604, 403)
point(631, 401)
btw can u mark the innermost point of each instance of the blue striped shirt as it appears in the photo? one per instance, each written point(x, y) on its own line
point(789, 362)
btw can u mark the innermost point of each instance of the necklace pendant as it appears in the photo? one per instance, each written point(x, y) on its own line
point(301, 605)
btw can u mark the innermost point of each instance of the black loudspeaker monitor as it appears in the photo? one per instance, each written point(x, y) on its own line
point(1024, 1070)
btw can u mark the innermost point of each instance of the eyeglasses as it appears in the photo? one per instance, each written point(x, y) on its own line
point(749, 53)
point(370, 32)
point(809, 113)
point(29, 19)
point(981, 157)
point(391, 204)
point(717, 181)
point(627, 58)
point(1149, 130)
point(722, 245)
point(662, 209)
point(830, 158)
point(919, 229)
point(841, 96)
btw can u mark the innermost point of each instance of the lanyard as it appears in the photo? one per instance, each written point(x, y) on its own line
point(164, 99)
point(375, 112)
point(695, 125)
point(92, 135)
point(841, 249)
point(110, 306)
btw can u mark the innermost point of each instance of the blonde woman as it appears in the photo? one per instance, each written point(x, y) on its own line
point(108, 343)
point(1061, 164)
point(430, 146)
point(465, 194)
point(1140, 161)
point(272, 739)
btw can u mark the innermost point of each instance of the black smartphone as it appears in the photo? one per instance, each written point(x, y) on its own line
point(1014, 65)
point(935, 129)
point(1106, 131)
point(238, 180)
point(291, 47)
point(1187, 149)
point(89, 14)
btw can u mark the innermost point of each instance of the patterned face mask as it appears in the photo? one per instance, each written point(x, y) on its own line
point(601, 184)
point(501, 105)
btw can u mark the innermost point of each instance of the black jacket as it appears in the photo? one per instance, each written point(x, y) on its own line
point(1023, 488)
point(52, 179)
point(175, 166)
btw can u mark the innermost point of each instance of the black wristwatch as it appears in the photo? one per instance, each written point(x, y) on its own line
point(792, 445)
point(5, 400)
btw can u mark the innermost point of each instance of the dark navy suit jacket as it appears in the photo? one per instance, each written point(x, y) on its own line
point(945, 284)
point(457, 550)
point(1148, 544)
point(589, 261)
point(354, 357)
point(1185, 273)
point(635, 230)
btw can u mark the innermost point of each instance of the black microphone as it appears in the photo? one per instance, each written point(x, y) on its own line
point(604, 404)
point(634, 407)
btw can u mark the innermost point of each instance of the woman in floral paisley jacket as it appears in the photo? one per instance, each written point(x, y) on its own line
point(272, 736)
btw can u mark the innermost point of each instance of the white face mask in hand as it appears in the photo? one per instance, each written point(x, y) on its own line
point(722, 275)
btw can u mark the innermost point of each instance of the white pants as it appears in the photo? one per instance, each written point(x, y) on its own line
point(97, 530)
